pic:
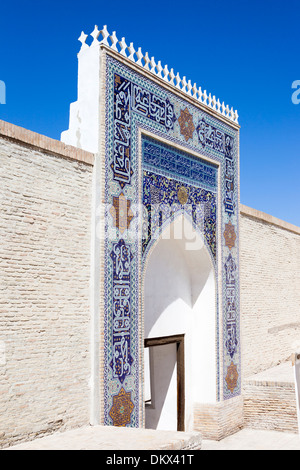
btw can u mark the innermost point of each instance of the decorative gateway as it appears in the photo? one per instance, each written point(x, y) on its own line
point(164, 148)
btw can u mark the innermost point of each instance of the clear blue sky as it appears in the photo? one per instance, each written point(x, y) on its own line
point(246, 53)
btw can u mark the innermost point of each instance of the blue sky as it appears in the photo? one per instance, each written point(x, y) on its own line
point(246, 53)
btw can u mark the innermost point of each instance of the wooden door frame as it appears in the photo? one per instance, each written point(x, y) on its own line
point(179, 340)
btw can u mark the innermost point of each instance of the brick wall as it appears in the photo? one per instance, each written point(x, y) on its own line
point(45, 200)
point(270, 294)
point(219, 420)
point(45, 363)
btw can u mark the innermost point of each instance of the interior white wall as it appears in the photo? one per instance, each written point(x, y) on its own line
point(167, 291)
point(163, 411)
point(180, 298)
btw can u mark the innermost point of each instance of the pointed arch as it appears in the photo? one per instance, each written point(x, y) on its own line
point(179, 298)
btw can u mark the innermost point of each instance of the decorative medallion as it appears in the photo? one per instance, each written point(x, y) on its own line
point(232, 377)
point(182, 195)
point(121, 212)
point(229, 235)
point(122, 408)
point(186, 124)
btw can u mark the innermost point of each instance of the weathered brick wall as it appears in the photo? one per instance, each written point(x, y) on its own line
point(270, 407)
point(219, 420)
point(270, 399)
point(45, 200)
point(270, 294)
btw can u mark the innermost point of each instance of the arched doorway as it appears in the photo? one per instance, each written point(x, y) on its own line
point(179, 300)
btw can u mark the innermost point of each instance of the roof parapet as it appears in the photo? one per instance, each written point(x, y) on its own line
point(138, 57)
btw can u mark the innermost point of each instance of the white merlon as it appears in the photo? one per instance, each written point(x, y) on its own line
point(156, 68)
point(84, 113)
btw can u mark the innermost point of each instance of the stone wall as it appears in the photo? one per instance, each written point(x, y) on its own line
point(270, 294)
point(45, 200)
